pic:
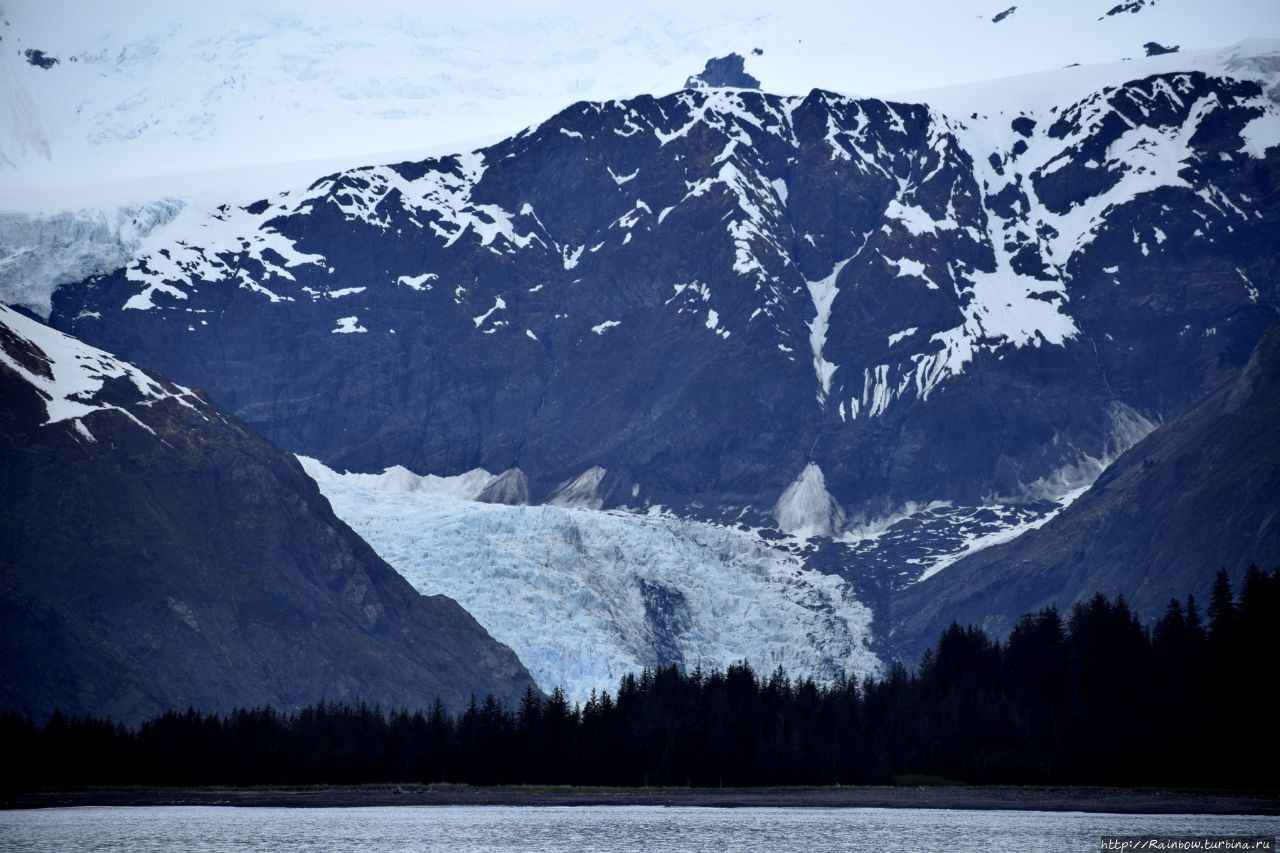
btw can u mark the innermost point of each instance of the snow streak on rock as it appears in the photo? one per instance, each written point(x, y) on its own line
point(70, 374)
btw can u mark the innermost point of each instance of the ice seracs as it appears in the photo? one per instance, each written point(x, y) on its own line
point(582, 491)
point(511, 487)
point(585, 596)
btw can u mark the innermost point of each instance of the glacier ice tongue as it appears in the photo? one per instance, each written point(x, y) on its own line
point(38, 253)
point(585, 596)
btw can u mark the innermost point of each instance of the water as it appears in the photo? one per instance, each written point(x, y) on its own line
point(603, 828)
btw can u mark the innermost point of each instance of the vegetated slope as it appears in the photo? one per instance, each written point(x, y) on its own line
point(156, 553)
point(1201, 492)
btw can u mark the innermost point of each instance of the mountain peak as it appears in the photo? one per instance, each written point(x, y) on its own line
point(720, 71)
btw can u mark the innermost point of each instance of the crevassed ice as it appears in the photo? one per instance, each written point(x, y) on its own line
point(584, 596)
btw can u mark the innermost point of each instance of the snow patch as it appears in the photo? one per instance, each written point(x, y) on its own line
point(499, 304)
point(917, 220)
point(905, 333)
point(823, 292)
point(417, 282)
point(348, 326)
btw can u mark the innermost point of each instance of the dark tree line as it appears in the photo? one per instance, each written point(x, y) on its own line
point(1090, 698)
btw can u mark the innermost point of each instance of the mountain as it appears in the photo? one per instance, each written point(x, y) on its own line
point(1201, 492)
point(156, 553)
point(706, 294)
point(114, 123)
point(873, 335)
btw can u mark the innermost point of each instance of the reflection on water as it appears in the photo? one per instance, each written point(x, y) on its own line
point(604, 828)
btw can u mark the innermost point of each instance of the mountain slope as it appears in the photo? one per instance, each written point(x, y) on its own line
point(705, 294)
point(1200, 492)
point(879, 334)
point(155, 554)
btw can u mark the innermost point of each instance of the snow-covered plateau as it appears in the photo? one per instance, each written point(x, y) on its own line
point(156, 88)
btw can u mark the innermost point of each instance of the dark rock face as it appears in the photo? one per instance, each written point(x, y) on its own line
point(39, 58)
point(701, 294)
point(1155, 48)
point(1201, 492)
point(510, 488)
point(1130, 7)
point(728, 70)
point(156, 553)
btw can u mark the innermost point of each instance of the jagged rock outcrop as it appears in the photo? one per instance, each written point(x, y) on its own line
point(730, 70)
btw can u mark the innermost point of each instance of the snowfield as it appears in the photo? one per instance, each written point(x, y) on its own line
point(156, 88)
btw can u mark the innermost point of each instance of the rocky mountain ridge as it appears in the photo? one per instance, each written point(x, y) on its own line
point(1199, 494)
point(702, 295)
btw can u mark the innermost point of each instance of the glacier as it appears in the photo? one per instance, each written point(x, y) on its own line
point(40, 252)
point(585, 596)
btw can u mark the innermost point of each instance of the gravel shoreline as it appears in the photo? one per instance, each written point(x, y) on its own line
point(1100, 800)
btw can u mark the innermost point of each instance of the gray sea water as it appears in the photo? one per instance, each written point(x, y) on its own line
point(606, 828)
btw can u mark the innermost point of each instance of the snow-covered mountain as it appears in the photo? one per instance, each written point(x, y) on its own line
point(110, 122)
point(721, 294)
point(869, 335)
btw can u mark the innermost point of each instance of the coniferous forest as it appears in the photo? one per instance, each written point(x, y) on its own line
point(1089, 697)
